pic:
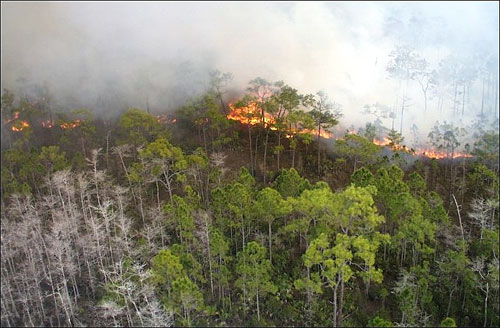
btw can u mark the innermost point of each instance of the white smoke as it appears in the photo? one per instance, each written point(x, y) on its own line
point(109, 56)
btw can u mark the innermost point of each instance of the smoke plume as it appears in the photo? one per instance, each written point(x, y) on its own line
point(110, 56)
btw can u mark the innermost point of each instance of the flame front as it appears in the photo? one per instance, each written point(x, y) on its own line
point(441, 155)
point(323, 134)
point(48, 124)
point(250, 114)
point(430, 153)
point(19, 126)
point(387, 143)
point(70, 125)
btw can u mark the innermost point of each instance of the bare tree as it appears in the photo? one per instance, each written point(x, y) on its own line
point(482, 212)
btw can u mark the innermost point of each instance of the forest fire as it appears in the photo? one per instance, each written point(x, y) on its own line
point(323, 134)
point(48, 124)
point(249, 114)
point(70, 125)
point(442, 155)
point(421, 152)
point(387, 142)
point(429, 153)
point(19, 126)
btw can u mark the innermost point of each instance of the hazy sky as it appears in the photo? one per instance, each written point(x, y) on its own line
point(113, 55)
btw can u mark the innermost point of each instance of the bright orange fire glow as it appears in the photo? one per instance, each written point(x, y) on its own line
point(323, 134)
point(421, 152)
point(441, 155)
point(387, 142)
point(249, 114)
point(21, 126)
point(70, 125)
point(48, 124)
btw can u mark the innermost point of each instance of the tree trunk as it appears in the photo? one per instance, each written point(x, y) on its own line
point(258, 308)
point(270, 236)
point(309, 301)
point(169, 187)
point(222, 104)
point(265, 154)
point(220, 276)
point(335, 305)
point(463, 181)
point(279, 151)
point(210, 264)
point(242, 235)
point(341, 301)
point(251, 150)
point(486, 305)
point(256, 151)
point(449, 302)
point(141, 207)
point(319, 161)
point(205, 140)
point(157, 194)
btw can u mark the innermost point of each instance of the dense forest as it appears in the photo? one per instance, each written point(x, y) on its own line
point(253, 212)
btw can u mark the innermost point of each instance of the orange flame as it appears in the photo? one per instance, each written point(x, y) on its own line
point(323, 134)
point(249, 114)
point(387, 142)
point(441, 155)
point(430, 153)
point(70, 125)
point(382, 143)
point(21, 126)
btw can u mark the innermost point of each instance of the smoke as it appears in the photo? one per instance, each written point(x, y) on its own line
point(110, 56)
